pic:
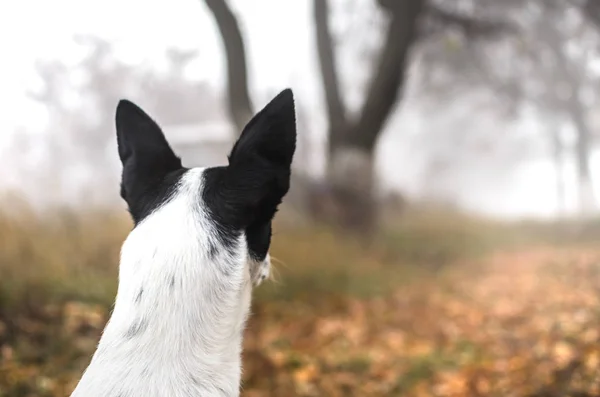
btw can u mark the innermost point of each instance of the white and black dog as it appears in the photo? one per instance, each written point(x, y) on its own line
point(200, 241)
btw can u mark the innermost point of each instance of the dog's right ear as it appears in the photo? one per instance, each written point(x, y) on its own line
point(145, 154)
point(248, 191)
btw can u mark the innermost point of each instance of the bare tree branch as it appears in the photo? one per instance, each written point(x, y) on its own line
point(335, 107)
point(240, 106)
point(439, 19)
point(389, 74)
point(591, 9)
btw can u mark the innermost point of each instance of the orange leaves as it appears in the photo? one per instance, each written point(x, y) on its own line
point(451, 383)
point(563, 353)
point(506, 331)
point(514, 325)
point(305, 375)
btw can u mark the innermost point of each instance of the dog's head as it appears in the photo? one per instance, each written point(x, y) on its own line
point(236, 201)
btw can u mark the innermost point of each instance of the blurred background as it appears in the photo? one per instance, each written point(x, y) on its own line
point(441, 234)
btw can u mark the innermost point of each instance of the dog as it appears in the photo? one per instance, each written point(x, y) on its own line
point(200, 242)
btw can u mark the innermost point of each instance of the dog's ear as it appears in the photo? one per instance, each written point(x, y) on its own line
point(145, 154)
point(257, 178)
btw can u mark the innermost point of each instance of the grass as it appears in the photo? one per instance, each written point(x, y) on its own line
point(60, 256)
point(70, 255)
point(335, 305)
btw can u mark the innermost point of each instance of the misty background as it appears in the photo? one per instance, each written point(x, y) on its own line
point(453, 137)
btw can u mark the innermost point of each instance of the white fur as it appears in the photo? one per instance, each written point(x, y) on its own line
point(183, 335)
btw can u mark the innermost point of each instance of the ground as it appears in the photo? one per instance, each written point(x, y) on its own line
point(526, 325)
point(522, 322)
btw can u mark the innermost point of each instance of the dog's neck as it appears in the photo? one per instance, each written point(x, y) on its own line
point(181, 306)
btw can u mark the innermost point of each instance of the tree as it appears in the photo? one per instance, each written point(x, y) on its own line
point(562, 86)
point(574, 79)
point(238, 98)
point(545, 68)
point(591, 9)
point(352, 142)
point(352, 139)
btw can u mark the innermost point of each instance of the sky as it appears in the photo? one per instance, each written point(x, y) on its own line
point(279, 39)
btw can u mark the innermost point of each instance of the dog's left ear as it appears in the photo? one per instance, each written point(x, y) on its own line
point(145, 154)
point(258, 176)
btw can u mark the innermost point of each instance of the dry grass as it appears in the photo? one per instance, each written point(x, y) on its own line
point(339, 319)
point(65, 255)
point(62, 255)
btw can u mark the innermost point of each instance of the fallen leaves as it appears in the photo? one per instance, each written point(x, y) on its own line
point(504, 331)
point(516, 324)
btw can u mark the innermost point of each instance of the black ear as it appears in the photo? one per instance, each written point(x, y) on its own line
point(248, 191)
point(270, 135)
point(147, 159)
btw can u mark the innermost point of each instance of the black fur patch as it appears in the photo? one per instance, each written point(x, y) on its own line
point(244, 195)
point(241, 197)
point(151, 170)
point(258, 236)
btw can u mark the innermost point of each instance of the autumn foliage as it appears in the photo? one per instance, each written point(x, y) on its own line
point(432, 310)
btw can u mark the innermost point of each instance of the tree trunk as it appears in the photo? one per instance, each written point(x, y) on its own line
point(591, 9)
point(352, 144)
point(571, 71)
point(239, 104)
point(558, 159)
point(587, 200)
point(387, 82)
point(351, 176)
point(336, 112)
